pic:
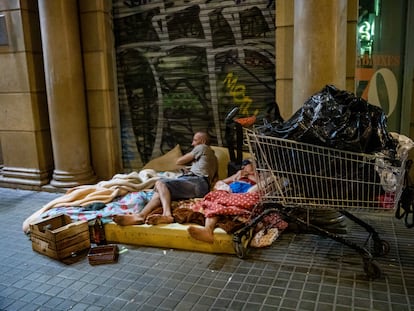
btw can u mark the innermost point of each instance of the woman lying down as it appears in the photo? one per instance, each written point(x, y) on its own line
point(233, 196)
point(237, 196)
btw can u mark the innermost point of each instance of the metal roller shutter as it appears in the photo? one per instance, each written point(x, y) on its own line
point(182, 65)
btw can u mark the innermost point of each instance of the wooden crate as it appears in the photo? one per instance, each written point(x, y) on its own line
point(58, 237)
point(103, 254)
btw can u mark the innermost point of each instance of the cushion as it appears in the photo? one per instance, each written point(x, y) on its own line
point(223, 158)
point(166, 162)
point(222, 154)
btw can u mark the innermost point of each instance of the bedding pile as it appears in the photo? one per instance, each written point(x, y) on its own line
point(129, 193)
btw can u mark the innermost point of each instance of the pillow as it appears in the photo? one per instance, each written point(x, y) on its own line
point(223, 159)
point(221, 185)
point(166, 162)
point(222, 154)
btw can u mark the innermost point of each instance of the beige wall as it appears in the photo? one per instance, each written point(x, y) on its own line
point(284, 56)
point(285, 52)
point(100, 79)
point(24, 116)
point(24, 129)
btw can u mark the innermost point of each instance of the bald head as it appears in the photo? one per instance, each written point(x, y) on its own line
point(201, 138)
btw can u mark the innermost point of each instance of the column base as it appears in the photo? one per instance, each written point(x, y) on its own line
point(62, 179)
point(24, 176)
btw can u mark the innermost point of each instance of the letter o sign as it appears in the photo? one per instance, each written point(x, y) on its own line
point(391, 86)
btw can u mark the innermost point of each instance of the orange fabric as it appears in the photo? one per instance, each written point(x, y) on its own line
point(247, 121)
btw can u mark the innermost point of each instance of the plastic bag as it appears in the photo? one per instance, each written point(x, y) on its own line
point(337, 119)
point(265, 237)
point(405, 206)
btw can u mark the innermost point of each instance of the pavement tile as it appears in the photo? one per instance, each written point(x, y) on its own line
point(299, 271)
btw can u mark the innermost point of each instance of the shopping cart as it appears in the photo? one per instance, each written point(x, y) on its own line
point(293, 175)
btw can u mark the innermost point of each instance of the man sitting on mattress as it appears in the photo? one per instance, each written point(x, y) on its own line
point(192, 184)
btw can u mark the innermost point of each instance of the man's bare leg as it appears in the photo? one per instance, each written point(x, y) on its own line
point(206, 233)
point(165, 199)
point(139, 218)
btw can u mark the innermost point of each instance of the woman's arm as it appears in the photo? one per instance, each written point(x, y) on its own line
point(233, 177)
point(246, 172)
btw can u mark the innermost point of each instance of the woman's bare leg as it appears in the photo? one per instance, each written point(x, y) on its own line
point(206, 233)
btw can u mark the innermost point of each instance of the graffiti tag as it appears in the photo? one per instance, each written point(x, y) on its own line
point(238, 92)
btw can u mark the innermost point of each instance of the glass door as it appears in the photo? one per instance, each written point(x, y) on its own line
point(381, 49)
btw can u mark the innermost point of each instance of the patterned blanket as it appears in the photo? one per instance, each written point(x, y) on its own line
point(132, 202)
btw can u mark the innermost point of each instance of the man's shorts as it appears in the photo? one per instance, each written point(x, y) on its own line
point(187, 187)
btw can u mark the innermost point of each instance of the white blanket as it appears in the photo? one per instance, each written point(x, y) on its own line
point(102, 192)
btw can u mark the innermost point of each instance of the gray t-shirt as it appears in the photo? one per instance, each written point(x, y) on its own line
point(205, 162)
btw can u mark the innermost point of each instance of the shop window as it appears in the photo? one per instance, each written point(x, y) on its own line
point(380, 51)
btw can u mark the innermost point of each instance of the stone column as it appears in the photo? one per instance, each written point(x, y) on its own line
point(319, 47)
point(65, 93)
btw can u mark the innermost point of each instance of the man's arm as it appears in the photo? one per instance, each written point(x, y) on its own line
point(185, 159)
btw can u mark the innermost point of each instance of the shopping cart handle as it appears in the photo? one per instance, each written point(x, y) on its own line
point(230, 116)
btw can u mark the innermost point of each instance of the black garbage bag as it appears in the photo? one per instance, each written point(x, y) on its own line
point(337, 119)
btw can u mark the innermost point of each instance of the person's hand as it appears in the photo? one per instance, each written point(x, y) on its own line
point(244, 173)
point(237, 176)
point(185, 170)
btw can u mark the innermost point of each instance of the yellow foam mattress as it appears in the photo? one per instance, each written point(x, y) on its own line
point(168, 236)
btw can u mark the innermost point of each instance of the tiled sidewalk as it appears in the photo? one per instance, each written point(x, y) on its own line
point(299, 272)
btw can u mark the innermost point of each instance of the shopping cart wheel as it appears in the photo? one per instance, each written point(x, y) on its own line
point(381, 247)
point(372, 268)
point(241, 251)
point(241, 243)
